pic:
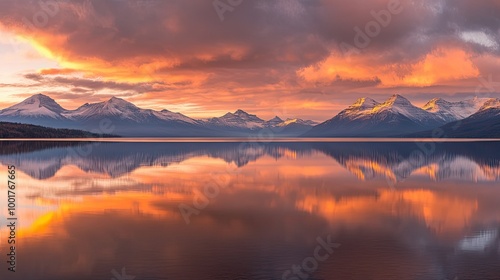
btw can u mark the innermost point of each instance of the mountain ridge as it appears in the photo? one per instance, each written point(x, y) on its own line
point(366, 117)
point(485, 123)
point(133, 121)
point(397, 117)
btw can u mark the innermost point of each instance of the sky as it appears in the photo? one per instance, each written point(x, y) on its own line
point(291, 58)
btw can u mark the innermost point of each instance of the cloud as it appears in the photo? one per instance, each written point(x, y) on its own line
point(57, 71)
point(76, 84)
point(175, 51)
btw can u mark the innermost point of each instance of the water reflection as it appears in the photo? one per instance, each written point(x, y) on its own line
point(393, 161)
point(398, 213)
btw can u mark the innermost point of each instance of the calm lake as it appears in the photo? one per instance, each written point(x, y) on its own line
point(310, 210)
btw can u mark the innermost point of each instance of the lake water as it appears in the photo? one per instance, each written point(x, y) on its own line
point(310, 210)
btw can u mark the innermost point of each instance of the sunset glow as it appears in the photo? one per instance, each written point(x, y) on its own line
point(263, 56)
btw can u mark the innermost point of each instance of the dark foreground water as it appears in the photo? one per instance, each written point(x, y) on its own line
point(252, 211)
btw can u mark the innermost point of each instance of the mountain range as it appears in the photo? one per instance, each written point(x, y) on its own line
point(398, 117)
point(126, 119)
point(395, 117)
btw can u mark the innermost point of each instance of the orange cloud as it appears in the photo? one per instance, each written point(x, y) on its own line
point(57, 71)
point(440, 65)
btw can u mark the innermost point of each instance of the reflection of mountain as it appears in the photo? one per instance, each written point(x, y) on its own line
point(397, 161)
point(393, 161)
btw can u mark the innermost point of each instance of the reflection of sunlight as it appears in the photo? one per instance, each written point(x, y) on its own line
point(440, 212)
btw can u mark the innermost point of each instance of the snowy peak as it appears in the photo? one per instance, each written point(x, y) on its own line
point(474, 105)
point(274, 121)
point(247, 117)
point(493, 103)
point(38, 106)
point(297, 121)
point(171, 116)
point(117, 103)
point(397, 100)
point(364, 103)
point(398, 104)
point(241, 113)
point(361, 108)
point(114, 107)
point(453, 111)
point(436, 104)
point(239, 119)
point(38, 101)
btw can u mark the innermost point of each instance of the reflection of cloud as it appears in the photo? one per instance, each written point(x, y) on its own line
point(479, 242)
point(442, 213)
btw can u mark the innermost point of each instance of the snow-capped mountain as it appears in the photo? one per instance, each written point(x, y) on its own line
point(273, 122)
point(452, 111)
point(397, 116)
point(124, 111)
point(126, 118)
point(485, 123)
point(113, 108)
point(397, 104)
point(38, 109)
point(237, 120)
point(241, 121)
point(171, 116)
point(37, 106)
point(292, 127)
point(129, 120)
point(296, 122)
point(490, 104)
point(361, 108)
point(366, 117)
